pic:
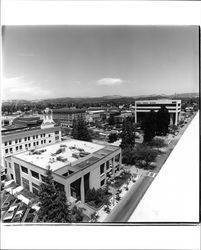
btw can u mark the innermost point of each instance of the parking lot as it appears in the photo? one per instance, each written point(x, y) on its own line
point(13, 209)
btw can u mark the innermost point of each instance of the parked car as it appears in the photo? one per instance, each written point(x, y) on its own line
point(10, 213)
point(18, 216)
point(5, 206)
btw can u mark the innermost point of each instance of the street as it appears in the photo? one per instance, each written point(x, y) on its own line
point(125, 208)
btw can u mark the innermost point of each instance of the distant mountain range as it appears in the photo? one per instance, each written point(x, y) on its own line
point(103, 98)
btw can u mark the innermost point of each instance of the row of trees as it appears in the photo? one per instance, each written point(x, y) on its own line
point(155, 123)
point(80, 130)
point(143, 155)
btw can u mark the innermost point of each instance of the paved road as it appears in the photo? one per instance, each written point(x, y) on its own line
point(125, 208)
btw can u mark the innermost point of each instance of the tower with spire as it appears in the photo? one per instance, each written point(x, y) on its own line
point(47, 119)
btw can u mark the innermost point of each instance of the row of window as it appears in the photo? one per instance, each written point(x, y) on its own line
point(28, 145)
point(102, 166)
point(28, 138)
point(33, 173)
point(35, 188)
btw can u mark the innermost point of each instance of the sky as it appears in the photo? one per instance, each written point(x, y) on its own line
point(41, 62)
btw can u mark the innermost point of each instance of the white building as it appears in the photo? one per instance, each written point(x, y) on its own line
point(76, 165)
point(173, 107)
point(14, 141)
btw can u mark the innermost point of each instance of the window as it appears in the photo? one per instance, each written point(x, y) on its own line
point(29, 144)
point(26, 145)
point(102, 182)
point(28, 138)
point(25, 139)
point(20, 147)
point(11, 150)
point(43, 135)
point(56, 132)
point(107, 165)
point(9, 164)
point(102, 168)
point(25, 183)
point(36, 136)
point(35, 188)
point(33, 136)
point(10, 142)
point(56, 138)
point(16, 141)
point(43, 178)
point(34, 144)
point(16, 148)
point(6, 151)
point(25, 170)
point(20, 140)
point(5, 143)
point(37, 143)
point(34, 174)
point(44, 141)
point(35, 185)
point(49, 135)
point(49, 141)
point(11, 175)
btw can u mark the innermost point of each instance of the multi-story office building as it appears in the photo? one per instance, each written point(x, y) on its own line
point(64, 117)
point(173, 107)
point(22, 138)
point(76, 165)
point(95, 115)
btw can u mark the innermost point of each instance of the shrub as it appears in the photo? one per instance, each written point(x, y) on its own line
point(94, 217)
point(107, 209)
point(157, 142)
point(118, 197)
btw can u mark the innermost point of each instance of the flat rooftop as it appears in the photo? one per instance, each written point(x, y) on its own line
point(158, 101)
point(74, 152)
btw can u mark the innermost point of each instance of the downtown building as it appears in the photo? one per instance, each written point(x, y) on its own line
point(64, 117)
point(77, 166)
point(173, 107)
point(21, 138)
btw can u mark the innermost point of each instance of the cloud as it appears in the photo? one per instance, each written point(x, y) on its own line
point(110, 81)
point(20, 88)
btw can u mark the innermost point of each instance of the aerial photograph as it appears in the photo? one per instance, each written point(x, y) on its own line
point(90, 117)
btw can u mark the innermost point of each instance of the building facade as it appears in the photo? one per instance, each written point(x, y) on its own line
point(77, 166)
point(96, 115)
point(64, 117)
point(173, 107)
point(21, 139)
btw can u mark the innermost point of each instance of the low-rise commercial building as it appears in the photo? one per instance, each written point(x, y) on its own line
point(173, 107)
point(77, 166)
point(96, 115)
point(64, 117)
